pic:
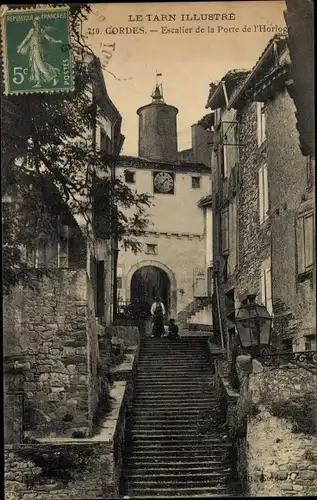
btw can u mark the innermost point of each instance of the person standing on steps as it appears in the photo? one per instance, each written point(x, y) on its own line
point(158, 313)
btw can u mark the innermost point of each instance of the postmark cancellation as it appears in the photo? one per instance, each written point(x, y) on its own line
point(36, 51)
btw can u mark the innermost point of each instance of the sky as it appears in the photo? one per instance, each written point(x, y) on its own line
point(189, 62)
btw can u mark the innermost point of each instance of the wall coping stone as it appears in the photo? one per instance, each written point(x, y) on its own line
point(108, 426)
point(124, 370)
point(214, 349)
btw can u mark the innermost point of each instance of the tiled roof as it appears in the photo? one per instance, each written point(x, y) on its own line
point(248, 80)
point(232, 79)
point(143, 163)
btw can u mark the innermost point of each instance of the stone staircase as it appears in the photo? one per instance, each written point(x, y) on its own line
point(176, 445)
point(202, 317)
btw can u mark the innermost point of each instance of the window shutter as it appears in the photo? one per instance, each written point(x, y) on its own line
point(51, 254)
point(225, 230)
point(262, 287)
point(261, 195)
point(98, 137)
point(268, 290)
point(265, 193)
point(63, 248)
point(41, 255)
point(263, 123)
point(259, 122)
point(200, 283)
point(225, 161)
point(309, 235)
point(300, 245)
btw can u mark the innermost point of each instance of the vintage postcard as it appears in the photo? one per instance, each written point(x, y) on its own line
point(159, 271)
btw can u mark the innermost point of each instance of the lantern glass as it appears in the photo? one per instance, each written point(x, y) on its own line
point(253, 323)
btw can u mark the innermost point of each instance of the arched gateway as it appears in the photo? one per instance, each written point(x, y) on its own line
point(149, 278)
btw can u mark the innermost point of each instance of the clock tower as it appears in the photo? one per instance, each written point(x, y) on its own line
point(158, 129)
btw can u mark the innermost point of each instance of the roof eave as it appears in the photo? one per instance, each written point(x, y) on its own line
point(248, 81)
point(211, 103)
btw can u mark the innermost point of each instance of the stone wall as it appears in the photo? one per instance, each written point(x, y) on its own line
point(49, 327)
point(89, 468)
point(254, 238)
point(56, 471)
point(289, 193)
point(274, 423)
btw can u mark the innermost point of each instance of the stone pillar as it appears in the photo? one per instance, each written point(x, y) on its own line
point(14, 400)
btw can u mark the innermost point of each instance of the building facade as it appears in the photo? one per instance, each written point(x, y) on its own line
point(174, 243)
point(172, 262)
point(263, 213)
point(54, 327)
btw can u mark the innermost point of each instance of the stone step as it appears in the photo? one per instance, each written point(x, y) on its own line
point(169, 496)
point(172, 404)
point(146, 492)
point(176, 481)
point(197, 365)
point(183, 466)
point(202, 456)
point(177, 421)
point(174, 386)
point(175, 430)
point(140, 397)
point(168, 414)
point(174, 392)
point(171, 425)
point(169, 387)
point(144, 496)
point(207, 446)
point(184, 378)
point(178, 440)
point(173, 369)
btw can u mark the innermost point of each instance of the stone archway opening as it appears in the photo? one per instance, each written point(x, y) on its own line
point(148, 282)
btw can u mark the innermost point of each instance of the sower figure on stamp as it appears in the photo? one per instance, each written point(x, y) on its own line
point(158, 313)
point(40, 71)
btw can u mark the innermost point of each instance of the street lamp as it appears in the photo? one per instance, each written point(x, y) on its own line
point(254, 325)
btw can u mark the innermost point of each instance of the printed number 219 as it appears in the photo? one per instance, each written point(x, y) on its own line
point(19, 74)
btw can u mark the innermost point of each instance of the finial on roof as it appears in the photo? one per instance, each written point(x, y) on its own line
point(157, 94)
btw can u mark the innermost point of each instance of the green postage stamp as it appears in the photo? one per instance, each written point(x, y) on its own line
point(36, 50)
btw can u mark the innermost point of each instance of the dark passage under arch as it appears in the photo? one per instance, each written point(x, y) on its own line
point(149, 281)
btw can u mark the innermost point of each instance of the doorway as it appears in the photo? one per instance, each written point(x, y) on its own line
point(149, 282)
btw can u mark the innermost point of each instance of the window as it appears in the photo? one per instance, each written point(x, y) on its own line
point(263, 193)
point(151, 249)
point(129, 177)
point(100, 288)
point(266, 288)
point(119, 282)
point(105, 142)
point(309, 171)
point(225, 161)
point(209, 281)
point(225, 230)
point(62, 247)
point(261, 122)
point(310, 342)
point(230, 149)
point(196, 182)
point(232, 230)
point(230, 303)
point(305, 235)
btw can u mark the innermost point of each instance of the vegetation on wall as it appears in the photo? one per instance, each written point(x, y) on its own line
point(57, 465)
point(47, 162)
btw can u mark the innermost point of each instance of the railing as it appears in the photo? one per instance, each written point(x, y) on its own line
point(277, 358)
